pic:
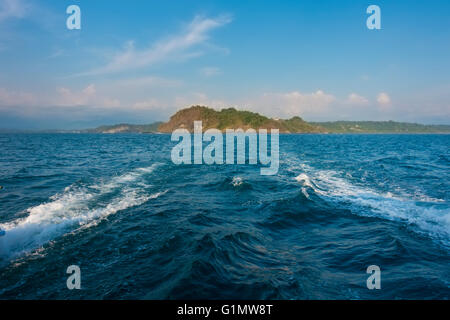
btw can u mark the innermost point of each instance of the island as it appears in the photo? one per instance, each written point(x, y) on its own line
point(231, 118)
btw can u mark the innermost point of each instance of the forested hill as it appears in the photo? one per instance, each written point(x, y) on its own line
point(234, 119)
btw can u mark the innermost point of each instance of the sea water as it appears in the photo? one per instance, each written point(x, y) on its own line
point(141, 227)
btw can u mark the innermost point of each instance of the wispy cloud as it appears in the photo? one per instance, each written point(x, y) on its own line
point(70, 98)
point(12, 9)
point(151, 103)
point(86, 97)
point(176, 47)
point(148, 81)
point(210, 71)
point(16, 98)
point(56, 53)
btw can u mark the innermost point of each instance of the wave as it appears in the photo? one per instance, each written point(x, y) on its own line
point(78, 206)
point(427, 215)
point(236, 182)
point(306, 181)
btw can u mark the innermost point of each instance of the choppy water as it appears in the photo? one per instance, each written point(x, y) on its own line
point(140, 227)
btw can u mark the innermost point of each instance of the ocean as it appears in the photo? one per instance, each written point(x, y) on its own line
point(141, 227)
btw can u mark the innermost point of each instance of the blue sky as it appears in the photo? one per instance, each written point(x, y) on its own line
point(140, 61)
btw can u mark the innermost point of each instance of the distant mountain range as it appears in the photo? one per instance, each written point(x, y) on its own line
point(126, 128)
point(233, 119)
point(380, 127)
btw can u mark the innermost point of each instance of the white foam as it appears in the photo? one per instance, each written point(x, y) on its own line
point(305, 193)
point(77, 206)
point(425, 214)
point(237, 181)
point(305, 180)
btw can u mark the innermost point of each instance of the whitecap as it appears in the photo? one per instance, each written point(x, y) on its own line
point(237, 181)
point(427, 215)
point(77, 206)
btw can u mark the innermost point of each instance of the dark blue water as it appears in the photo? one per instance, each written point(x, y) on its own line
point(141, 227)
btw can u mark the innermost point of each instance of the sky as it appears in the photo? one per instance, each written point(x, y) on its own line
point(140, 61)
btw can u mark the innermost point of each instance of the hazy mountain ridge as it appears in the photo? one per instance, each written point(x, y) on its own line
point(126, 128)
point(380, 127)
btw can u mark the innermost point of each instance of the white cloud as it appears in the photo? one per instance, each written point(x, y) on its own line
point(198, 98)
point(63, 97)
point(356, 100)
point(16, 98)
point(12, 9)
point(148, 81)
point(175, 47)
point(384, 100)
point(293, 103)
point(56, 53)
point(86, 97)
point(110, 103)
point(71, 98)
point(147, 104)
point(36, 14)
point(210, 71)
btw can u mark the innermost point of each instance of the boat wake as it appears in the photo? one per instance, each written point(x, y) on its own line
point(78, 206)
point(426, 215)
